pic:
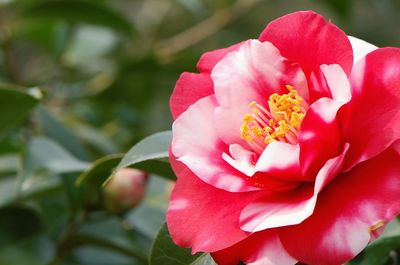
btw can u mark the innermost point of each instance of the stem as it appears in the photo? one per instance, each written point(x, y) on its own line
point(10, 62)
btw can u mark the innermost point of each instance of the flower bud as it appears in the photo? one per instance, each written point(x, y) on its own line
point(125, 190)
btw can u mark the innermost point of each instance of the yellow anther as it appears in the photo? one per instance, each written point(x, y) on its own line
point(282, 129)
point(271, 123)
point(296, 109)
point(256, 111)
point(245, 132)
point(269, 139)
point(252, 104)
point(290, 88)
point(248, 118)
point(257, 131)
point(284, 118)
point(267, 130)
point(376, 226)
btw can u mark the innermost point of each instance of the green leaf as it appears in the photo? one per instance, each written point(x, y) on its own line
point(45, 154)
point(99, 171)
point(9, 164)
point(53, 129)
point(86, 239)
point(95, 138)
point(17, 223)
point(379, 252)
point(37, 250)
point(14, 106)
point(151, 155)
point(80, 11)
point(92, 179)
point(120, 234)
point(165, 252)
point(7, 190)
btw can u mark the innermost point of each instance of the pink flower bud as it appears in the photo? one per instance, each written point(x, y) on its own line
point(125, 190)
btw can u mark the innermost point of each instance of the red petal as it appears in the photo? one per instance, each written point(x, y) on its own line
point(209, 59)
point(319, 138)
point(306, 38)
point(263, 248)
point(348, 211)
point(189, 88)
point(370, 121)
point(203, 217)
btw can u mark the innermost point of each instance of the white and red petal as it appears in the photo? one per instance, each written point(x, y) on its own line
point(319, 137)
point(263, 248)
point(209, 59)
point(337, 82)
point(305, 37)
point(360, 48)
point(370, 121)
point(196, 144)
point(203, 217)
point(289, 208)
point(280, 160)
point(189, 88)
point(252, 73)
point(329, 81)
point(348, 212)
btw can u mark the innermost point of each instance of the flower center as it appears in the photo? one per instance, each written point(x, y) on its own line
point(281, 123)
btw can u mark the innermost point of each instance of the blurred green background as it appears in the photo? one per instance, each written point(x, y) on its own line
point(85, 79)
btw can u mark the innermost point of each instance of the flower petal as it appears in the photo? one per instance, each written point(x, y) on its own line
point(319, 137)
point(277, 169)
point(263, 248)
point(360, 48)
point(252, 73)
point(290, 208)
point(209, 59)
point(189, 88)
point(280, 160)
point(330, 81)
point(370, 121)
point(196, 144)
point(305, 37)
point(278, 210)
point(203, 217)
point(348, 212)
point(337, 82)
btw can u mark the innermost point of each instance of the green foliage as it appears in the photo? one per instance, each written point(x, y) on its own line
point(17, 223)
point(165, 252)
point(151, 154)
point(75, 11)
point(83, 83)
point(14, 106)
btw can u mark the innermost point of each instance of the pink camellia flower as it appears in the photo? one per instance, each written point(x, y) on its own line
point(286, 147)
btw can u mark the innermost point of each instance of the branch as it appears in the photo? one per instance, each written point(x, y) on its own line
point(165, 49)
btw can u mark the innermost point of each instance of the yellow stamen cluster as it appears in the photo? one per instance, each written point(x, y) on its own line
point(281, 122)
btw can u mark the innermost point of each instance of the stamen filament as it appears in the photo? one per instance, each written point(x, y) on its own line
point(280, 123)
